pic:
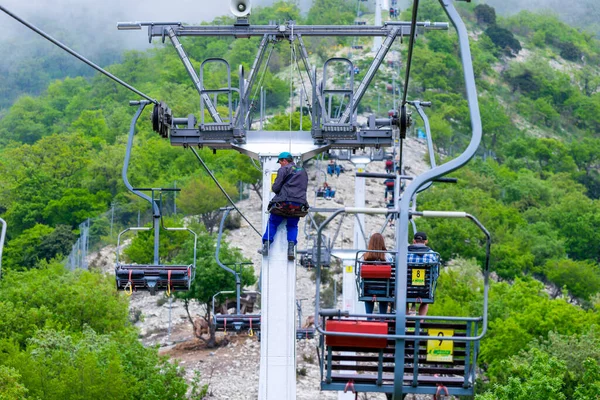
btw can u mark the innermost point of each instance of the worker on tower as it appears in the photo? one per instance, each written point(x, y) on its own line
point(289, 203)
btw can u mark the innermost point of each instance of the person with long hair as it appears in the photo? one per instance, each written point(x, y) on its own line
point(376, 253)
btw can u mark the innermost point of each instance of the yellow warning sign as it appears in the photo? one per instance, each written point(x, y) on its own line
point(273, 177)
point(418, 277)
point(360, 170)
point(349, 269)
point(440, 350)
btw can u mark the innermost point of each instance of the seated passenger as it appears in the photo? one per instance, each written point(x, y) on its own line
point(377, 243)
point(389, 188)
point(328, 192)
point(331, 167)
point(338, 169)
point(389, 166)
point(419, 252)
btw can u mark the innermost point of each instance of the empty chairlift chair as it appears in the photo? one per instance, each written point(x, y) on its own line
point(361, 364)
point(242, 320)
point(154, 277)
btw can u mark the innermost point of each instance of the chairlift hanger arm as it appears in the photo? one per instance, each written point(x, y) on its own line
point(403, 207)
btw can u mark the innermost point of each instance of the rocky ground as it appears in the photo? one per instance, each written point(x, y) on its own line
point(231, 371)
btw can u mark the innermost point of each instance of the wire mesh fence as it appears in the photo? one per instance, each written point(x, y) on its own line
point(103, 230)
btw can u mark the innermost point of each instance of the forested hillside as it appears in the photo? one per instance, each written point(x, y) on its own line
point(535, 185)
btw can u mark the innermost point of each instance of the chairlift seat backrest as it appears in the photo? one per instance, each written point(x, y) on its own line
point(372, 327)
point(376, 271)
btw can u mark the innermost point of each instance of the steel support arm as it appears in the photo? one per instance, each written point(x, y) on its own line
point(364, 84)
point(190, 70)
point(157, 29)
point(252, 77)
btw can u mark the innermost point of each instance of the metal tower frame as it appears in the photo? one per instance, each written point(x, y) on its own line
point(326, 133)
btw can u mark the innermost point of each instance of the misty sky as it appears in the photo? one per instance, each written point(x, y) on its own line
point(98, 18)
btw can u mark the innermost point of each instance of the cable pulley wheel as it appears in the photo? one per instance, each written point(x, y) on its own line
point(154, 118)
point(161, 119)
point(404, 121)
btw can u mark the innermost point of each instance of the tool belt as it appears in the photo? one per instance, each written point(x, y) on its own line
point(285, 209)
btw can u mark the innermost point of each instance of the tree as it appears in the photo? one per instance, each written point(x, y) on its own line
point(541, 379)
point(22, 251)
point(58, 365)
point(53, 296)
point(57, 243)
point(581, 278)
point(211, 278)
point(570, 51)
point(485, 14)
point(282, 122)
point(503, 39)
point(10, 386)
point(201, 196)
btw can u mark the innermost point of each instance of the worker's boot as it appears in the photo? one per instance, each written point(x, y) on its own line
point(291, 246)
point(265, 248)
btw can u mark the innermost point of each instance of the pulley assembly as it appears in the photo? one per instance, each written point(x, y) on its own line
point(162, 118)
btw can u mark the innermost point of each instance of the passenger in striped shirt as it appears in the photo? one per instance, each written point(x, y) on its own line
point(420, 253)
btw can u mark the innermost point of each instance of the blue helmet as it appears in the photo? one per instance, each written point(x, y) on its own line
point(284, 156)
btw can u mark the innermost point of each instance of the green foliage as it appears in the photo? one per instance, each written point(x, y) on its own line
point(551, 29)
point(542, 379)
point(66, 335)
point(53, 297)
point(572, 378)
point(331, 12)
point(22, 252)
point(485, 14)
point(141, 249)
point(201, 196)
point(504, 39)
point(11, 387)
point(282, 122)
point(581, 278)
point(210, 277)
point(58, 365)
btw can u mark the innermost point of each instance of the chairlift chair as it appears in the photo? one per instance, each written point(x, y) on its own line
point(303, 333)
point(308, 258)
point(376, 280)
point(155, 276)
point(358, 352)
point(237, 321)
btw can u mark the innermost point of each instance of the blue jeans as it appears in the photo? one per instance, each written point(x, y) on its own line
point(291, 225)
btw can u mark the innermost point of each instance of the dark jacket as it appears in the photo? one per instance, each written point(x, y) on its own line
point(291, 184)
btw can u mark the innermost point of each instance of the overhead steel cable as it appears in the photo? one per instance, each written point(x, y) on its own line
point(302, 81)
point(77, 55)
point(411, 42)
point(214, 178)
